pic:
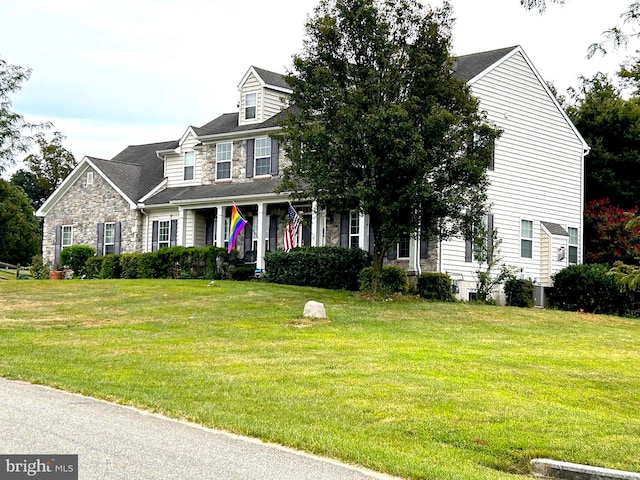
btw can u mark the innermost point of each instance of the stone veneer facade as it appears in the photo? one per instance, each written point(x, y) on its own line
point(84, 206)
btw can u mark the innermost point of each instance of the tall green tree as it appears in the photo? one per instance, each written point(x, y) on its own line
point(611, 126)
point(13, 127)
point(50, 166)
point(19, 227)
point(381, 125)
point(29, 183)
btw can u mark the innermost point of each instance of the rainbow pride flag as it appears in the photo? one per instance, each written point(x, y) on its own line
point(235, 227)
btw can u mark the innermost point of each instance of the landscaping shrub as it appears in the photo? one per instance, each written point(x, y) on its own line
point(519, 292)
point(39, 270)
point(393, 280)
point(110, 266)
point(435, 286)
point(93, 267)
point(75, 257)
point(242, 272)
point(129, 265)
point(334, 268)
point(588, 288)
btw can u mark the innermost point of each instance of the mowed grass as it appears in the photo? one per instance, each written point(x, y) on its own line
point(414, 389)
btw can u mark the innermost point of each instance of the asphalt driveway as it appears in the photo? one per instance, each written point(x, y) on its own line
point(114, 442)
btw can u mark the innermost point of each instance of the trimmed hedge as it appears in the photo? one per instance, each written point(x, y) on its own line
point(334, 268)
point(173, 262)
point(393, 280)
point(588, 288)
point(519, 292)
point(435, 286)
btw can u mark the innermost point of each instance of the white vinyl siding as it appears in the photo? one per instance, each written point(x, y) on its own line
point(174, 168)
point(538, 166)
point(273, 103)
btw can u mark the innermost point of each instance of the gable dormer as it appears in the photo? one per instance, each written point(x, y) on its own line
point(262, 95)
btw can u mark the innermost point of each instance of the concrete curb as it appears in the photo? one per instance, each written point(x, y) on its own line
point(573, 471)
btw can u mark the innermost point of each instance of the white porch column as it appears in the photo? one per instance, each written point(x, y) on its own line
point(260, 227)
point(220, 227)
point(363, 227)
point(314, 224)
point(182, 227)
point(414, 253)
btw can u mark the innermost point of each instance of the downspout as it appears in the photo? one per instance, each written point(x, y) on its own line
point(146, 229)
point(417, 254)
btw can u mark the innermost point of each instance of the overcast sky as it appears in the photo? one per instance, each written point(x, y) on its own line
point(114, 73)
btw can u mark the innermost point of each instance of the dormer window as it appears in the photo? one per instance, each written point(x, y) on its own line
point(250, 103)
point(189, 165)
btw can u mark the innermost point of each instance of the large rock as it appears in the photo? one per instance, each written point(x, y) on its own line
point(314, 310)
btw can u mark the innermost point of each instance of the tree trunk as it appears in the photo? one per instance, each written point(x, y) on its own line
point(376, 267)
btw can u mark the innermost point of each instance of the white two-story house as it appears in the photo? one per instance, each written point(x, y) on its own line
point(180, 192)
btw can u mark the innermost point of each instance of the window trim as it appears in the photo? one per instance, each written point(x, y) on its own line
point(89, 178)
point(62, 243)
point(526, 239)
point(354, 229)
point(219, 162)
point(575, 246)
point(185, 166)
point(106, 244)
point(407, 239)
point(253, 105)
point(263, 156)
point(164, 243)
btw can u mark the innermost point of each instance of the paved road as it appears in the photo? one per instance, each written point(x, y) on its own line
point(114, 442)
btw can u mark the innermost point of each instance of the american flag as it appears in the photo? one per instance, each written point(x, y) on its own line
point(291, 229)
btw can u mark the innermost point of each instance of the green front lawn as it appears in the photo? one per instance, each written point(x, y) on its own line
point(415, 389)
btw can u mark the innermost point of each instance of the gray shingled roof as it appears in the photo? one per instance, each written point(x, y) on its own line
point(228, 123)
point(555, 229)
point(272, 78)
point(468, 66)
point(222, 190)
point(137, 169)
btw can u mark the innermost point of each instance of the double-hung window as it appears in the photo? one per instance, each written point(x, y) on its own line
point(223, 160)
point(109, 238)
point(573, 245)
point(189, 165)
point(164, 233)
point(403, 247)
point(526, 238)
point(250, 103)
point(67, 236)
point(354, 229)
point(263, 156)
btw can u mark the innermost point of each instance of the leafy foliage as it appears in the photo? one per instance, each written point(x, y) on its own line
point(49, 167)
point(19, 227)
point(75, 257)
point(380, 124)
point(607, 238)
point(435, 286)
point(611, 126)
point(39, 270)
point(13, 127)
point(519, 292)
point(393, 280)
point(588, 288)
point(335, 268)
